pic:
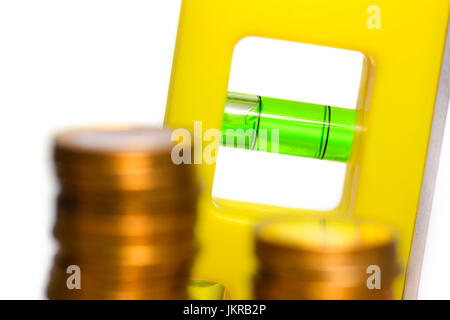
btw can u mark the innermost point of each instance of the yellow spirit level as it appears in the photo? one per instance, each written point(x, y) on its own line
point(389, 179)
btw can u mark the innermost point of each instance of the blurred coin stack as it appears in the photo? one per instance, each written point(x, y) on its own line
point(125, 215)
point(325, 259)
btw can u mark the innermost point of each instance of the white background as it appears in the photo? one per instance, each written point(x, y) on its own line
point(62, 64)
point(66, 63)
point(435, 281)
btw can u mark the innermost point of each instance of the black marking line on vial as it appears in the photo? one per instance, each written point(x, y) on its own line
point(328, 132)
point(257, 126)
point(323, 129)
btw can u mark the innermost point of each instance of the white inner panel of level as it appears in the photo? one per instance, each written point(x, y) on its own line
point(292, 71)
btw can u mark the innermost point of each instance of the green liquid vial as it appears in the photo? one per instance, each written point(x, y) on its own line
point(288, 127)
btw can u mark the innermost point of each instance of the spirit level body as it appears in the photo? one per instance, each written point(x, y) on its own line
point(385, 171)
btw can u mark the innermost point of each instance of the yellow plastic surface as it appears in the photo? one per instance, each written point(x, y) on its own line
point(206, 290)
point(385, 173)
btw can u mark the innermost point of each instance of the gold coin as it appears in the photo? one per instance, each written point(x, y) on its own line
point(91, 225)
point(123, 203)
point(175, 266)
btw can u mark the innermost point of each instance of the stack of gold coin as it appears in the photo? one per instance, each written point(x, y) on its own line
point(325, 259)
point(125, 216)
